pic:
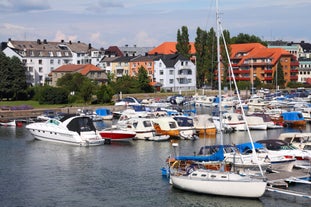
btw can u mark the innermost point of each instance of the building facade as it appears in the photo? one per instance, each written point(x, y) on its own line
point(42, 57)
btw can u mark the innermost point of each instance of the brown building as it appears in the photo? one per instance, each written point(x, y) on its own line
point(253, 60)
point(88, 70)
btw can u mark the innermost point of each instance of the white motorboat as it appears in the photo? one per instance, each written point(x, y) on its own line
point(256, 123)
point(71, 129)
point(143, 127)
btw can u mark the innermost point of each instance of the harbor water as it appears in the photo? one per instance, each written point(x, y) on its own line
point(37, 173)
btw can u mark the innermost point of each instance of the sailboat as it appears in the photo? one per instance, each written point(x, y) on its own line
point(219, 182)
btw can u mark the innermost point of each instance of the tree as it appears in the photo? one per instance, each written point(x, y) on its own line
point(246, 38)
point(183, 47)
point(52, 95)
point(86, 90)
point(143, 80)
point(13, 83)
point(126, 84)
point(18, 79)
point(278, 76)
point(4, 76)
point(105, 94)
point(201, 57)
point(72, 81)
point(224, 42)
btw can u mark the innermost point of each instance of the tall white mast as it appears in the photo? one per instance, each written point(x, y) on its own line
point(219, 72)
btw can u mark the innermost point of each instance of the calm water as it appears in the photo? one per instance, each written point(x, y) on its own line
point(38, 173)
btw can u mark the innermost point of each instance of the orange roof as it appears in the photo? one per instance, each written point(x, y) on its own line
point(83, 69)
point(256, 50)
point(167, 48)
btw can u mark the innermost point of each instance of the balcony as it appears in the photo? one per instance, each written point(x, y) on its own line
point(293, 77)
point(294, 70)
point(242, 78)
point(268, 71)
point(294, 63)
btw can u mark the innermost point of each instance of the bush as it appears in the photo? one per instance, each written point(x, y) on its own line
point(52, 95)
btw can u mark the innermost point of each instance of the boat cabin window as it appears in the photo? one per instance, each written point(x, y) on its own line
point(307, 147)
point(240, 117)
point(147, 123)
point(53, 121)
point(172, 125)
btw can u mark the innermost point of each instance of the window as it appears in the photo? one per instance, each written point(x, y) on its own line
point(40, 62)
point(171, 81)
point(51, 61)
point(40, 69)
point(171, 72)
point(161, 72)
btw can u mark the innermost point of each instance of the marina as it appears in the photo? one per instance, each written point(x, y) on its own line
point(45, 174)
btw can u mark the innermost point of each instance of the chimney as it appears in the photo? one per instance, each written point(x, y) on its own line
point(45, 42)
point(38, 41)
point(69, 41)
point(90, 46)
point(62, 41)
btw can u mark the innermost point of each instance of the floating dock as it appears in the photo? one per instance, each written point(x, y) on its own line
point(278, 182)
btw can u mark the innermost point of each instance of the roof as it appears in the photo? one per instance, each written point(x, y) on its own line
point(114, 51)
point(83, 69)
point(167, 48)
point(256, 51)
point(44, 48)
point(171, 60)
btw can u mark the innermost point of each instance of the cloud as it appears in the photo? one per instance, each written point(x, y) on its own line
point(62, 36)
point(23, 5)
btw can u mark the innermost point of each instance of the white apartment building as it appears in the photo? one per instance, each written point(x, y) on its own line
point(42, 57)
point(175, 73)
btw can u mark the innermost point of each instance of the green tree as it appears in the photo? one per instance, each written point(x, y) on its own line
point(13, 83)
point(5, 83)
point(201, 57)
point(87, 90)
point(278, 76)
point(52, 95)
point(143, 80)
point(224, 42)
point(105, 94)
point(18, 79)
point(72, 81)
point(257, 83)
point(246, 38)
point(126, 84)
point(183, 47)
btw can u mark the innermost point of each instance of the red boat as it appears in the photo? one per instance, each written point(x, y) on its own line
point(115, 134)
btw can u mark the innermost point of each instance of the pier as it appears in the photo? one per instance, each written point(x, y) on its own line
point(279, 182)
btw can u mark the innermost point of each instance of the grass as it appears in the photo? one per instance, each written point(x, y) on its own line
point(34, 104)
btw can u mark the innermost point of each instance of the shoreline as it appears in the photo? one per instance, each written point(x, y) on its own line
point(23, 115)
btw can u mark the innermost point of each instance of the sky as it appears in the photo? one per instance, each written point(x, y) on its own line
point(148, 23)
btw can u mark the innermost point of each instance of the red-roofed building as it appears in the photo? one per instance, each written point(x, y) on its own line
point(88, 70)
point(253, 60)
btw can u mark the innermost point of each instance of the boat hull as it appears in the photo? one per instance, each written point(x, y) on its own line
point(117, 135)
point(65, 138)
point(228, 186)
